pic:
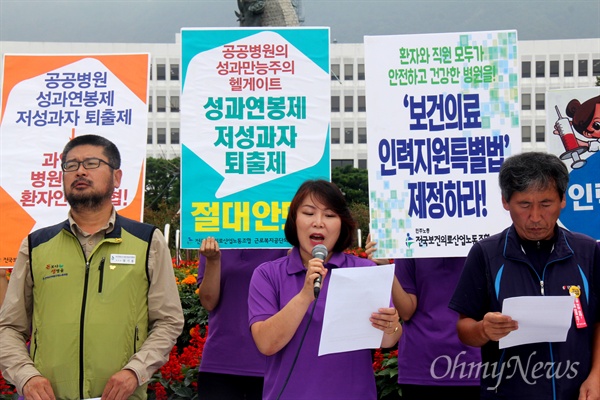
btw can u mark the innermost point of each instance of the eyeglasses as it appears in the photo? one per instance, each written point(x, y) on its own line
point(88, 163)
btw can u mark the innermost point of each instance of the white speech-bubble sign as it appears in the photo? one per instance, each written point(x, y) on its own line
point(203, 81)
point(23, 147)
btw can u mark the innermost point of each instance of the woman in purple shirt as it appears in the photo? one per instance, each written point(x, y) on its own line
point(286, 319)
point(432, 361)
point(231, 367)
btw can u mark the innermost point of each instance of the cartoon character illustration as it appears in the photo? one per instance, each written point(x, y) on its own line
point(585, 119)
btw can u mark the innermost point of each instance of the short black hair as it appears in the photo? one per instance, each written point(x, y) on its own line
point(108, 148)
point(332, 197)
point(532, 170)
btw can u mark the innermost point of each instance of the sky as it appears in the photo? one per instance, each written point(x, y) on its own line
point(157, 21)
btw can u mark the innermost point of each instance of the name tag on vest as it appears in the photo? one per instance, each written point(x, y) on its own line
point(122, 259)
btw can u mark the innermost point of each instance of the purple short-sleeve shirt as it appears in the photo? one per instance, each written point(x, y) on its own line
point(229, 348)
point(344, 376)
point(430, 352)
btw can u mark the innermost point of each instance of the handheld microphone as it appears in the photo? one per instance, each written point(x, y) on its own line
point(320, 252)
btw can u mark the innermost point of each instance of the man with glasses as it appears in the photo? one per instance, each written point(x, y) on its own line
point(95, 294)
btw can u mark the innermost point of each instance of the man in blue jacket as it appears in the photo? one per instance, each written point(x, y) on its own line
point(532, 257)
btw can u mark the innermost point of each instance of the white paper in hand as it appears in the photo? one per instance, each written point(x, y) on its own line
point(540, 318)
point(353, 295)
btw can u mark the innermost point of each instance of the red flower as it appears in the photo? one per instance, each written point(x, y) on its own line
point(5, 387)
point(377, 360)
point(172, 369)
point(176, 372)
point(159, 391)
point(192, 354)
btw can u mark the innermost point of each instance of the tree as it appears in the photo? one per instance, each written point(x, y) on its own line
point(353, 182)
point(162, 182)
point(163, 215)
point(161, 203)
point(360, 212)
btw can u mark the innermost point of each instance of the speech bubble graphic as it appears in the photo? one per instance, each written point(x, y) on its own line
point(40, 117)
point(275, 123)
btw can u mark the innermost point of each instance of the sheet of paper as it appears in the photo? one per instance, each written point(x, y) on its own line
point(540, 318)
point(353, 295)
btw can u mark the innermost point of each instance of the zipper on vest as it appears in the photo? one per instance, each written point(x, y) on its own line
point(81, 333)
point(542, 287)
point(35, 345)
point(136, 337)
point(101, 280)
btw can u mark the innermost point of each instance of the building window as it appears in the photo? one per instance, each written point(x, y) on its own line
point(526, 134)
point(348, 103)
point(174, 103)
point(540, 69)
point(149, 139)
point(526, 69)
point(335, 135)
point(583, 68)
point(150, 74)
point(360, 70)
point(540, 133)
point(174, 72)
point(149, 103)
point(174, 135)
point(161, 135)
point(161, 73)
point(335, 72)
point(596, 67)
point(348, 72)
point(362, 163)
point(362, 135)
point(362, 104)
point(335, 103)
point(540, 103)
point(341, 163)
point(568, 66)
point(348, 135)
point(553, 69)
point(161, 103)
point(526, 101)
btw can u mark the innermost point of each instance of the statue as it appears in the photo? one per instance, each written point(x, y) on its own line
point(269, 12)
point(251, 12)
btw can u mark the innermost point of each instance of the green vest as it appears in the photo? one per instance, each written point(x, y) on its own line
point(89, 316)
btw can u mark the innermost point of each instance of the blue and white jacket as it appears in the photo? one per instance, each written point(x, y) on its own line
point(497, 268)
